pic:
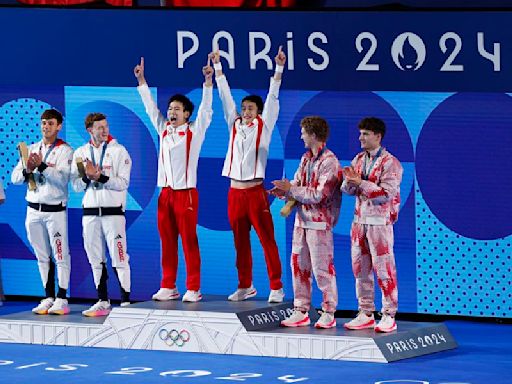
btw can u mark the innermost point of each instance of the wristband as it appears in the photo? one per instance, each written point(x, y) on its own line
point(279, 68)
point(217, 66)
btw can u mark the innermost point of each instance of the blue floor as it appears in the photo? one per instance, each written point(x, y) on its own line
point(483, 357)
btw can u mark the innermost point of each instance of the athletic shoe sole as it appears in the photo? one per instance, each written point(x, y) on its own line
point(64, 311)
point(43, 312)
point(104, 312)
point(370, 324)
point(173, 297)
point(332, 324)
point(193, 301)
point(302, 323)
point(386, 330)
point(248, 296)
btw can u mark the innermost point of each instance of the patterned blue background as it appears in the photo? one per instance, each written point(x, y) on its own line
point(450, 129)
point(452, 237)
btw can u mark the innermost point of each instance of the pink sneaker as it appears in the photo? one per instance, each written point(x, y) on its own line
point(326, 321)
point(386, 324)
point(296, 319)
point(101, 308)
point(362, 321)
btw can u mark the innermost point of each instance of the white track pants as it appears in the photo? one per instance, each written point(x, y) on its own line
point(99, 231)
point(47, 233)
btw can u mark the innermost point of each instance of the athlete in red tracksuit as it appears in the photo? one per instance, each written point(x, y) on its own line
point(316, 191)
point(246, 159)
point(180, 145)
point(374, 179)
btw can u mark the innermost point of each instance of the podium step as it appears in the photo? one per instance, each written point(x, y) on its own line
point(215, 325)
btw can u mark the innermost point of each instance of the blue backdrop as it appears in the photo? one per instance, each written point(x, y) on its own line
point(439, 80)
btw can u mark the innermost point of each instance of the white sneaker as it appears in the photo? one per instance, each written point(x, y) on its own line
point(386, 324)
point(192, 296)
point(296, 319)
point(101, 308)
point(276, 296)
point(243, 294)
point(362, 321)
point(125, 303)
point(44, 306)
point(59, 307)
point(166, 294)
point(326, 320)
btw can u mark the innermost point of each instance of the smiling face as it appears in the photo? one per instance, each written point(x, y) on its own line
point(249, 111)
point(369, 139)
point(99, 132)
point(176, 114)
point(50, 128)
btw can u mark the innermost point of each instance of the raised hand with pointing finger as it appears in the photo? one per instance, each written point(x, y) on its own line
point(280, 60)
point(138, 71)
point(180, 145)
point(208, 73)
point(250, 133)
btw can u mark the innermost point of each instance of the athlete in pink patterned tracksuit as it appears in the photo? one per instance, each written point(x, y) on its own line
point(315, 189)
point(374, 178)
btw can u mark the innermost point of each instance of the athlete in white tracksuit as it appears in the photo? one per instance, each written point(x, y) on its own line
point(46, 221)
point(105, 183)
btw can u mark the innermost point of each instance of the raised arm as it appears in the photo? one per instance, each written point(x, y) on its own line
point(205, 111)
point(156, 117)
point(228, 104)
point(271, 108)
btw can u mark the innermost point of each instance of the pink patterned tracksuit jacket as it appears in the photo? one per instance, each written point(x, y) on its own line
point(376, 210)
point(316, 188)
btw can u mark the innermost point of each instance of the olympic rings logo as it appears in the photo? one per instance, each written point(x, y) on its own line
point(173, 337)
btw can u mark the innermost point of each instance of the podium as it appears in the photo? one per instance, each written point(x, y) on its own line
point(215, 325)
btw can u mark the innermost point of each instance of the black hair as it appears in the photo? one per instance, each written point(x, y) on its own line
point(255, 99)
point(187, 104)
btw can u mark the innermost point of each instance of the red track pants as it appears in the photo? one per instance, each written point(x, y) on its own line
point(177, 215)
point(248, 207)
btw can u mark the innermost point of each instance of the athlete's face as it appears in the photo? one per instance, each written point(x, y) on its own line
point(249, 111)
point(308, 139)
point(50, 129)
point(99, 131)
point(369, 139)
point(176, 114)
